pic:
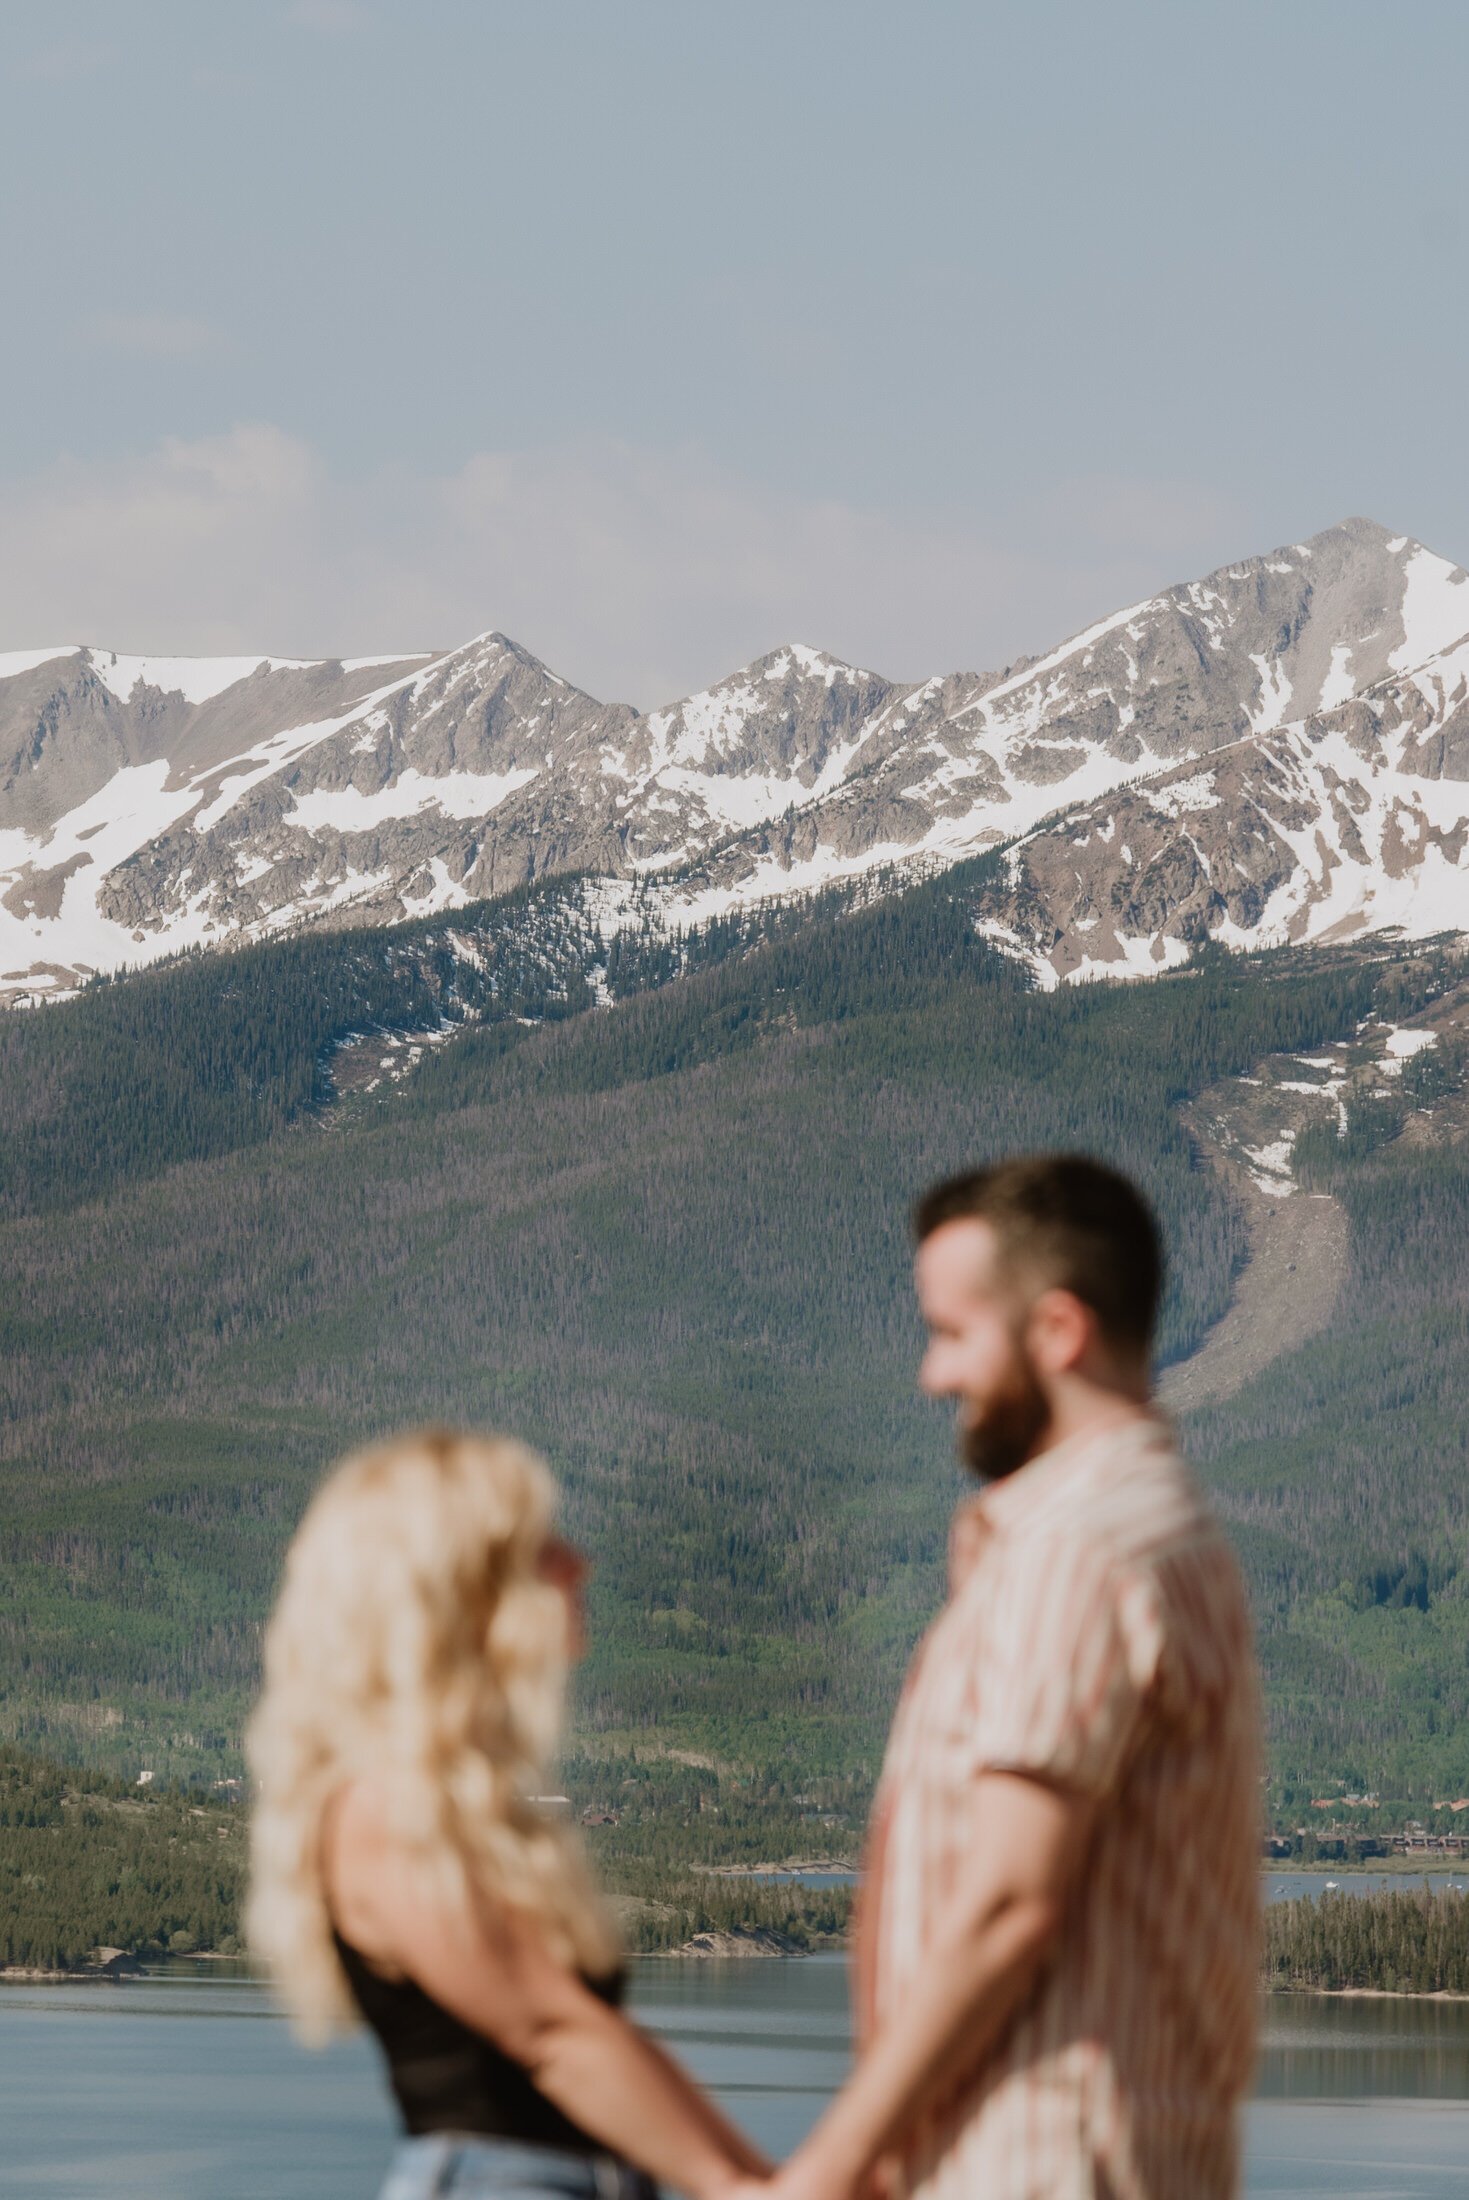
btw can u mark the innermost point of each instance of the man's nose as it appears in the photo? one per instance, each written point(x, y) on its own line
point(930, 1377)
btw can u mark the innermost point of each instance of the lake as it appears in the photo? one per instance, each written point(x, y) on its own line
point(179, 2085)
point(1277, 1885)
point(1286, 1886)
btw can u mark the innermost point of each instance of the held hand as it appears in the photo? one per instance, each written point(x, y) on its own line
point(803, 2177)
point(788, 2183)
point(752, 2181)
point(883, 2179)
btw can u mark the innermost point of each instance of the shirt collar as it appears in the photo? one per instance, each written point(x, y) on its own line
point(1042, 1482)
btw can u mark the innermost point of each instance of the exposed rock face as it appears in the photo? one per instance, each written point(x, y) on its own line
point(1355, 820)
point(1279, 750)
point(742, 1940)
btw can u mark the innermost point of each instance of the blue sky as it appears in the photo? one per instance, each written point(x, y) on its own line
point(658, 333)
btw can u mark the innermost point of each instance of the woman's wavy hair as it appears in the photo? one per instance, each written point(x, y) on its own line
point(413, 1642)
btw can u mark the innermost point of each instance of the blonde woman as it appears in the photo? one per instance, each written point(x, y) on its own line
point(403, 1873)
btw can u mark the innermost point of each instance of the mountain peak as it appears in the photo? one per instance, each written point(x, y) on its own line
point(799, 660)
point(1358, 527)
point(1206, 745)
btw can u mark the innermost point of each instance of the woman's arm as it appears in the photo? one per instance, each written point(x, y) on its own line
point(497, 1976)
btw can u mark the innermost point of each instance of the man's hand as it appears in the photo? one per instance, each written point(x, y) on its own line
point(803, 2178)
point(991, 1946)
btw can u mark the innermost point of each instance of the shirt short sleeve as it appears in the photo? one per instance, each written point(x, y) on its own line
point(1067, 1655)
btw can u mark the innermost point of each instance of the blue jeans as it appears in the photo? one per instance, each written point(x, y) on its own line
point(449, 2165)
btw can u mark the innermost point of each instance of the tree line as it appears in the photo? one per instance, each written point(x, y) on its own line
point(90, 1863)
point(1413, 1942)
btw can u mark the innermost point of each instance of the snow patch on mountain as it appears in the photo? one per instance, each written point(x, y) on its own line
point(455, 794)
point(268, 758)
point(197, 679)
point(1435, 608)
point(1278, 750)
point(15, 662)
point(1275, 694)
point(1179, 795)
point(1338, 686)
point(135, 807)
point(397, 657)
point(1032, 674)
point(1401, 1044)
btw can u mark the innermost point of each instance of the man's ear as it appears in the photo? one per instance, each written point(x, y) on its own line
point(1060, 1331)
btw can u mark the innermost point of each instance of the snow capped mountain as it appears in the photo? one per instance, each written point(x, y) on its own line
point(956, 766)
point(1353, 820)
point(1278, 751)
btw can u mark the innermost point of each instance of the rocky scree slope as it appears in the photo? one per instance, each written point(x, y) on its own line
point(1279, 751)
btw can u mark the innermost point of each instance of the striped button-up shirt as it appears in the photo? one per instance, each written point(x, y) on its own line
point(1097, 1637)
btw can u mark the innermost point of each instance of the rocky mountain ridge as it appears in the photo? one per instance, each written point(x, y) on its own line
point(1278, 751)
point(1351, 821)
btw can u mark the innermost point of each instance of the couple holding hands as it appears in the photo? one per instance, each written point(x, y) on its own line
point(1055, 1961)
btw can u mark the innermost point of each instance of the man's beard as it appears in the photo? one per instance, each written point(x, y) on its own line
point(1009, 1425)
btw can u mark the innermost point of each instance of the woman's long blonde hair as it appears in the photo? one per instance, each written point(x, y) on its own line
point(413, 1642)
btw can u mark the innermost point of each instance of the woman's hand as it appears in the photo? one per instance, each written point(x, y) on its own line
point(806, 2176)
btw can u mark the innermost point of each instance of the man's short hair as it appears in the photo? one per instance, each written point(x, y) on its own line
point(1064, 1221)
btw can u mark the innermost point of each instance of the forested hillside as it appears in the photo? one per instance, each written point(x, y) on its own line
point(94, 1864)
point(91, 1866)
point(210, 1053)
point(1342, 1471)
point(665, 1239)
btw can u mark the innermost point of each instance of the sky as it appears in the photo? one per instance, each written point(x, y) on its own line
point(655, 333)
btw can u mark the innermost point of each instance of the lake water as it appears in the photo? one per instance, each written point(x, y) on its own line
point(179, 2086)
point(1278, 1885)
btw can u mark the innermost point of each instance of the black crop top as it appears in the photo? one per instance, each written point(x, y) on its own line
point(448, 2077)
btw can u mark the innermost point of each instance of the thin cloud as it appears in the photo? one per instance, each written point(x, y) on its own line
point(1111, 514)
point(640, 574)
point(153, 335)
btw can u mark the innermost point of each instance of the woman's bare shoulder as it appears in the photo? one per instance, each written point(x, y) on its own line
point(361, 1866)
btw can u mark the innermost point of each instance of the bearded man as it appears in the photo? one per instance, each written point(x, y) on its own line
point(1057, 1957)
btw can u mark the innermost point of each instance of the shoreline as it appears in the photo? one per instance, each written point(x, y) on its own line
point(89, 1974)
point(1404, 1866)
point(1372, 1993)
point(1397, 1866)
point(113, 1964)
point(691, 1952)
point(760, 1944)
point(824, 1864)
